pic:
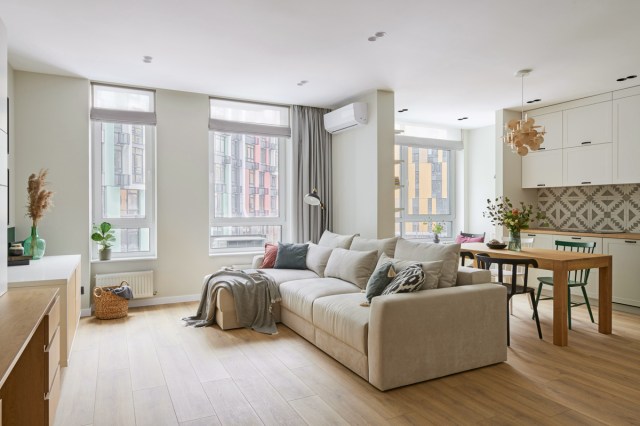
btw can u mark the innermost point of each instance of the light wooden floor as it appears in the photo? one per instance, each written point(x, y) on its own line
point(148, 369)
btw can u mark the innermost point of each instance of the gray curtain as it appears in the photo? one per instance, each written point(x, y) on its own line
point(311, 169)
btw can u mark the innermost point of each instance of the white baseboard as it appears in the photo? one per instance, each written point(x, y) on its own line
point(150, 301)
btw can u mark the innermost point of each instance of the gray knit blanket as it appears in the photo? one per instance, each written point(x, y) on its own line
point(254, 293)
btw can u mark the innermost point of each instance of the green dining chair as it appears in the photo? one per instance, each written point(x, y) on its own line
point(578, 278)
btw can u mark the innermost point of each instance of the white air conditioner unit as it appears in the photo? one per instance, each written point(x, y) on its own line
point(345, 118)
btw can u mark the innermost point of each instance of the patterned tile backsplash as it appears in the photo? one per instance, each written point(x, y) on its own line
point(592, 208)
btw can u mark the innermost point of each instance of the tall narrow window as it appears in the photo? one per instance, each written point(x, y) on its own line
point(123, 150)
point(424, 191)
point(248, 141)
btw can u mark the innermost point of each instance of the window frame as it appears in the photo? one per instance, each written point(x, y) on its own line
point(404, 215)
point(147, 120)
point(283, 136)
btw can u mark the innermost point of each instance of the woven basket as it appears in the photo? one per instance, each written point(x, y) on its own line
point(108, 305)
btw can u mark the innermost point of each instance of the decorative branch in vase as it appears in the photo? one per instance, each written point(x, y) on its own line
point(502, 212)
point(39, 201)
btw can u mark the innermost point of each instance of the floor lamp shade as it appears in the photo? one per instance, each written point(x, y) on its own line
point(313, 199)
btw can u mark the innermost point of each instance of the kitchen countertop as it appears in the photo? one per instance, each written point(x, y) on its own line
point(596, 234)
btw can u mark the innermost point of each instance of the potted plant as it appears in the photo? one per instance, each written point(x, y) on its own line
point(437, 229)
point(104, 236)
point(502, 212)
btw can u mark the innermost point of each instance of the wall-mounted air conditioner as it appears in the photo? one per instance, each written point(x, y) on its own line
point(345, 118)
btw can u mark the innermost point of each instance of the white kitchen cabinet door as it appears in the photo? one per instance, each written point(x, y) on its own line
point(542, 169)
point(626, 270)
point(552, 123)
point(588, 165)
point(588, 125)
point(626, 140)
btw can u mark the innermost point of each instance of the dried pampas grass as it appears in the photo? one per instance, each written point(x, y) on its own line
point(39, 198)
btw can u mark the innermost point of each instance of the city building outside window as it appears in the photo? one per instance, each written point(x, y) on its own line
point(247, 143)
point(425, 191)
point(123, 159)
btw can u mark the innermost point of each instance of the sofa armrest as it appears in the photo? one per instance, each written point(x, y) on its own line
point(419, 336)
point(468, 275)
point(257, 261)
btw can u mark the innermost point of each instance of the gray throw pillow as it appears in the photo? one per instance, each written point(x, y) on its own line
point(421, 252)
point(291, 256)
point(407, 281)
point(317, 258)
point(384, 245)
point(432, 270)
point(379, 280)
point(331, 240)
point(352, 266)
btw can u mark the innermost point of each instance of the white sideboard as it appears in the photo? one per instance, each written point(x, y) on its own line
point(63, 273)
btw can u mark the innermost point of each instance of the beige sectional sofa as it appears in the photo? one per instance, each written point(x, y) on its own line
point(400, 339)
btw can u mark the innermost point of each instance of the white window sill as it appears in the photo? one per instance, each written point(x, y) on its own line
point(125, 259)
point(237, 253)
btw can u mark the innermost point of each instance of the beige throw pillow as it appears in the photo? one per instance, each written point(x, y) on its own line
point(331, 240)
point(385, 245)
point(421, 252)
point(432, 270)
point(317, 258)
point(353, 266)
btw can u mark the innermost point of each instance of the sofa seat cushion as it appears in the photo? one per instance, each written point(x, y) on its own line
point(298, 296)
point(283, 275)
point(342, 317)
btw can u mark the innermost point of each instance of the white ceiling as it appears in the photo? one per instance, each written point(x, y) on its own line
point(443, 59)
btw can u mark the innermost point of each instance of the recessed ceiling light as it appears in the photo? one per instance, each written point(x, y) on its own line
point(302, 82)
point(377, 36)
point(147, 59)
point(463, 118)
point(403, 110)
point(533, 101)
point(629, 77)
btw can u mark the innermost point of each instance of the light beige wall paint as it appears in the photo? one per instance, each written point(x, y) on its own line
point(481, 171)
point(52, 131)
point(363, 171)
point(182, 199)
point(51, 124)
point(386, 135)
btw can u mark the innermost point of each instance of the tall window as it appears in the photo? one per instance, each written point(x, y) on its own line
point(246, 146)
point(424, 190)
point(123, 150)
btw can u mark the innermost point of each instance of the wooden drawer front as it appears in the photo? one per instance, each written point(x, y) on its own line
point(52, 321)
point(52, 355)
point(52, 398)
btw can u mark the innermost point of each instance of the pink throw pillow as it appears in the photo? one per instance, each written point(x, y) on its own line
point(270, 253)
point(461, 239)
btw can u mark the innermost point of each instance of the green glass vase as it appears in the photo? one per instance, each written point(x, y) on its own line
point(515, 244)
point(34, 245)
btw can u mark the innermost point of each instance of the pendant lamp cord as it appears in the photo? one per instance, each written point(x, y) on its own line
point(522, 98)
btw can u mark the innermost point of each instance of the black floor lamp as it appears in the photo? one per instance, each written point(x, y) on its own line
point(313, 199)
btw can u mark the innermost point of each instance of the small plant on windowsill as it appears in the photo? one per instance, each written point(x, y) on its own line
point(104, 236)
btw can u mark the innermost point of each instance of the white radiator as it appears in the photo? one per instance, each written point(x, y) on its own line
point(140, 282)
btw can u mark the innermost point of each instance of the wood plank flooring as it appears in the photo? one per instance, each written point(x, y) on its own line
point(148, 369)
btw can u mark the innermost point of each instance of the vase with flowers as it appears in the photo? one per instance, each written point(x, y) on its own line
point(502, 212)
point(39, 201)
point(437, 229)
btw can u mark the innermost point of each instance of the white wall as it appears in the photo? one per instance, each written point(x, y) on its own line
point(480, 165)
point(12, 149)
point(51, 125)
point(52, 131)
point(363, 198)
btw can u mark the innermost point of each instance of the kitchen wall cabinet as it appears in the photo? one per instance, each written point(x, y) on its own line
point(587, 125)
point(588, 165)
point(626, 270)
point(552, 123)
point(542, 169)
point(626, 140)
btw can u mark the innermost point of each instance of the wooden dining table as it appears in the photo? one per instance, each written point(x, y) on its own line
point(561, 262)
